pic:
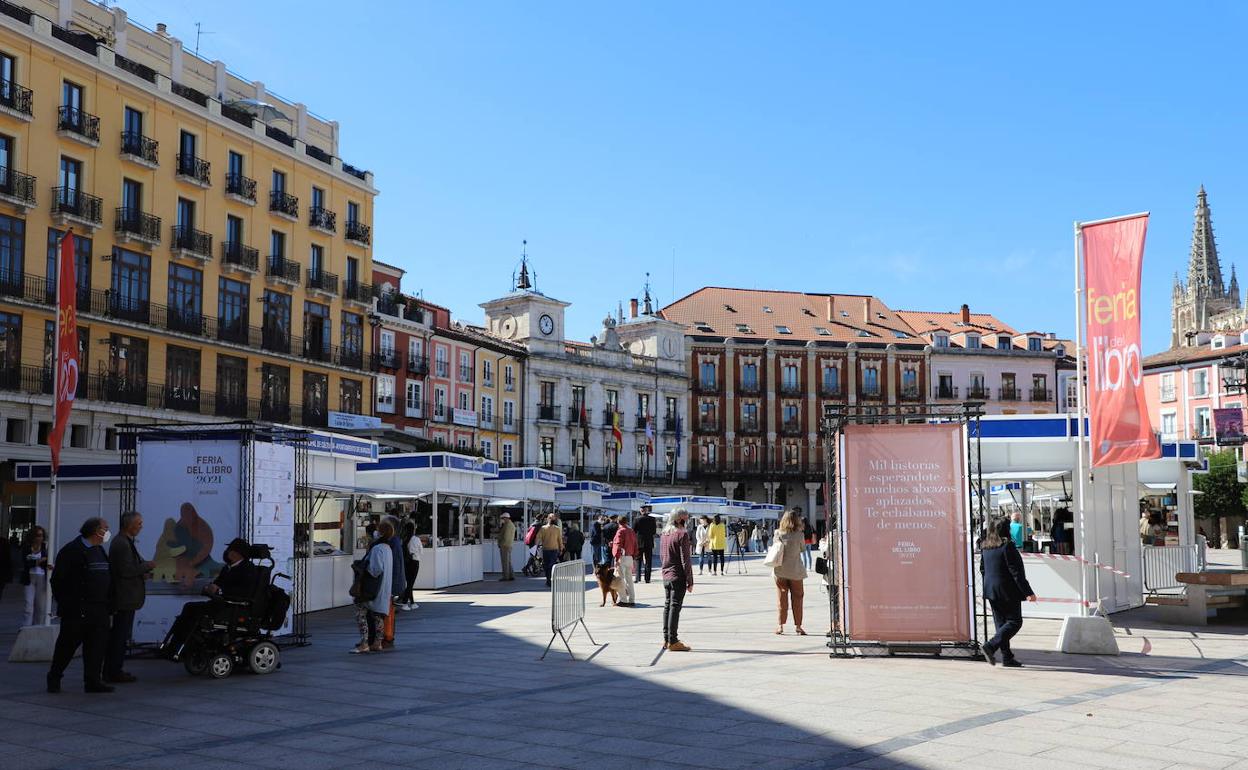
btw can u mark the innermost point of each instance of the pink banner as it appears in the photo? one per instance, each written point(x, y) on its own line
point(906, 537)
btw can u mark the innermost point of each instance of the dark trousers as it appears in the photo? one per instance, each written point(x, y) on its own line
point(1008, 615)
point(717, 560)
point(92, 635)
point(674, 590)
point(645, 563)
point(118, 638)
point(410, 570)
point(184, 623)
point(549, 559)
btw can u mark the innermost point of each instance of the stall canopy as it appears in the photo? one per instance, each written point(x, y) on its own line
point(766, 511)
point(626, 500)
point(695, 505)
point(524, 494)
point(582, 495)
point(736, 509)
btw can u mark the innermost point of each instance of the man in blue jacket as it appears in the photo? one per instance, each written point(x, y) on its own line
point(82, 586)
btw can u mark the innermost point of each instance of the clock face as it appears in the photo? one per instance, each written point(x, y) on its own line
point(508, 327)
point(546, 324)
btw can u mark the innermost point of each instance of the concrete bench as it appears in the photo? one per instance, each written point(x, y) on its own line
point(1204, 595)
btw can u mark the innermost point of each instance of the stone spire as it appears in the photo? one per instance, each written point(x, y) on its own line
point(1232, 291)
point(1204, 271)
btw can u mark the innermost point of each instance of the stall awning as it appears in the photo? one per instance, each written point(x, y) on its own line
point(505, 503)
point(1025, 475)
point(1160, 487)
point(351, 489)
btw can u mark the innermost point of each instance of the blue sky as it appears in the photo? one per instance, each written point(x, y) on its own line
point(931, 154)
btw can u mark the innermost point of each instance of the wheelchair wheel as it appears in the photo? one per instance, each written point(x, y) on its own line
point(263, 658)
point(195, 662)
point(220, 666)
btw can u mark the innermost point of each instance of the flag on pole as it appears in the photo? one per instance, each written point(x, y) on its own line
point(649, 434)
point(584, 425)
point(615, 430)
point(65, 367)
point(1121, 431)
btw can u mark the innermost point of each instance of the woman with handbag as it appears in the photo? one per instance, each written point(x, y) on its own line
point(785, 559)
point(371, 589)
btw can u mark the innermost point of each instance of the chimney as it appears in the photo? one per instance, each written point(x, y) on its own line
point(632, 307)
point(966, 314)
point(831, 309)
point(866, 310)
point(162, 29)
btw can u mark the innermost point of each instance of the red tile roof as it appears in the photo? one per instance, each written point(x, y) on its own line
point(1191, 354)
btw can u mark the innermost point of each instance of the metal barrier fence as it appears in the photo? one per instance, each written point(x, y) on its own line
point(567, 603)
point(1163, 562)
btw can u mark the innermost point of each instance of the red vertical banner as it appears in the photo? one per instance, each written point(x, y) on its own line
point(906, 533)
point(1113, 258)
point(65, 368)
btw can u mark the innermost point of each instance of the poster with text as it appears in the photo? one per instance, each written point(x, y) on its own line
point(189, 495)
point(1229, 426)
point(273, 508)
point(906, 533)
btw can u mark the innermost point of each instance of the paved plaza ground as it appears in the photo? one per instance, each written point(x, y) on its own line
point(465, 689)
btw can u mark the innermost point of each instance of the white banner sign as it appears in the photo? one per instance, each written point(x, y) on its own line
point(347, 421)
point(273, 508)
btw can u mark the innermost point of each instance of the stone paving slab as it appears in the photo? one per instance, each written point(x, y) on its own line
point(465, 689)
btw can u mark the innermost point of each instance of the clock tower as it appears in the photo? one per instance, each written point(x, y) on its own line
point(525, 315)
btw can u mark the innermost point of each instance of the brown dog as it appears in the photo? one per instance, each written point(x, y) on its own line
point(607, 582)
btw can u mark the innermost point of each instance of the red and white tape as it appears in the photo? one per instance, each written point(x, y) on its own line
point(1064, 557)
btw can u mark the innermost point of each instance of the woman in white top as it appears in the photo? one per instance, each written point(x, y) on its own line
point(790, 573)
point(413, 548)
point(702, 542)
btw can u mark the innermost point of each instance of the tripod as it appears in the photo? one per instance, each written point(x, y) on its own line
point(736, 551)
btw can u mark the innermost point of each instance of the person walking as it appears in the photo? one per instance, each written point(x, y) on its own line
point(595, 539)
point(808, 537)
point(81, 586)
point(413, 549)
point(35, 571)
point(609, 526)
point(575, 541)
point(702, 539)
point(398, 579)
point(128, 571)
point(624, 549)
point(370, 613)
point(1005, 587)
point(717, 538)
point(1018, 533)
point(550, 538)
point(790, 573)
point(676, 554)
point(506, 538)
point(646, 528)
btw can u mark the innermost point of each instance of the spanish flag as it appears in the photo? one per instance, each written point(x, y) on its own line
point(615, 430)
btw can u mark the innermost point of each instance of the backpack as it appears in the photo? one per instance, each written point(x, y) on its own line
point(364, 585)
point(530, 537)
point(275, 609)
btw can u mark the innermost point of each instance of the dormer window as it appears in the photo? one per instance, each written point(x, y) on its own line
point(766, 308)
point(972, 341)
point(822, 331)
point(941, 340)
point(1035, 344)
point(744, 329)
point(864, 333)
point(900, 335)
point(783, 330)
point(1218, 342)
point(1004, 342)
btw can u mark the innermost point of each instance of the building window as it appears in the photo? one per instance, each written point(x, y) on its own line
point(909, 381)
point(181, 379)
point(461, 443)
point(131, 282)
point(749, 377)
point(279, 181)
point(316, 261)
point(509, 377)
point(487, 372)
point(350, 396)
point(487, 409)
point(352, 339)
point(1009, 387)
point(413, 400)
point(12, 250)
point(231, 386)
point(442, 366)
point(977, 389)
point(669, 412)
point(972, 341)
point(1004, 342)
point(83, 248)
point(788, 379)
point(487, 448)
point(1035, 344)
point(439, 402)
point(275, 393)
point(186, 294)
point(277, 246)
point(1200, 382)
point(707, 374)
point(1168, 427)
point(790, 414)
point(11, 341)
point(1167, 386)
point(871, 380)
point(749, 416)
point(1202, 423)
point(508, 454)
point(465, 367)
point(315, 399)
point(385, 393)
point(941, 340)
point(464, 404)
point(707, 415)
point(509, 414)
point(415, 351)
point(1040, 388)
point(707, 455)
point(316, 334)
point(547, 453)
point(643, 405)
point(613, 401)
point(831, 381)
point(792, 455)
point(944, 386)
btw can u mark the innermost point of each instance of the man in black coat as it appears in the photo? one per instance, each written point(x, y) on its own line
point(235, 581)
point(595, 539)
point(609, 529)
point(1005, 588)
point(645, 527)
point(82, 587)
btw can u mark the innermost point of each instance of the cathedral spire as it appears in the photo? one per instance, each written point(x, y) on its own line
point(1204, 270)
point(1232, 291)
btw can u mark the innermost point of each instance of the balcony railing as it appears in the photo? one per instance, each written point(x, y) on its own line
point(706, 387)
point(351, 356)
point(197, 242)
point(945, 391)
point(576, 417)
point(465, 374)
point(17, 98)
point(749, 427)
point(138, 146)
point(318, 349)
point(872, 394)
point(707, 425)
point(1041, 394)
point(77, 204)
point(195, 169)
point(240, 186)
point(78, 122)
point(439, 413)
point(282, 203)
point(137, 223)
point(276, 339)
point(16, 185)
point(1009, 394)
point(750, 388)
point(909, 393)
point(322, 280)
point(418, 365)
point(548, 412)
point(359, 232)
point(386, 359)
point(669, 424)
point(354, 291)
point(978, 393)
point(235, 253)
point(442, 368)
point(283, 269)
point(831, 391)
point(323, 219)
point(790, 389)
point(791, 428)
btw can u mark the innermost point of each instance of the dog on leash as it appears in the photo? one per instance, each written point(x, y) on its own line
point(609, 582)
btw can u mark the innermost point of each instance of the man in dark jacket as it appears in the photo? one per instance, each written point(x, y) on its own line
point(595, 540)
point(1005, 587)
point(81, 586)
point(608, 537)
point(398, 580)
point(235, 581)
point(645, 527)
point(129, 571)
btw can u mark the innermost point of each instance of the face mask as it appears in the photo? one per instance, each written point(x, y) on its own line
point(108, 535)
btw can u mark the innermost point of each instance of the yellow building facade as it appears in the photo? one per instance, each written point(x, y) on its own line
point(223, 248)
point(500, 375)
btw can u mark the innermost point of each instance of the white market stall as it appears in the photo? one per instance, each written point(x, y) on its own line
point(1168, 482)
point(525, 494)
point(445, 494)
point(628, 502)
point(766, 512)
point(581, 501)
point(694, 505)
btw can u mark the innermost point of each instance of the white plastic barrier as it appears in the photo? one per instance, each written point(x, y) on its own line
point(567, 603)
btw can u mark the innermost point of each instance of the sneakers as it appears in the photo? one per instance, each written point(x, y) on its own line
point(679, 647)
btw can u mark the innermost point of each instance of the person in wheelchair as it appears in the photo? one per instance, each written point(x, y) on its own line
point(236, 582)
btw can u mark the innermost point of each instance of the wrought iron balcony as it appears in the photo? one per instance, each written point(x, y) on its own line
point(182, 399)
point(1009, 394)
point(139, 147)
point(234, 330)
point(640, 421)
point(271, 411)
point(418, 365)
point(548, 412)
point(354, 291)
point(945, 391)
point(359, 232)
point(909, 393)
point(322, 280)
point(194, 243)
point(669, 424)
point(871, 394)
point(791, 388)
point(240, 255)
point(749, 427)
point(751, 388)
point(1040, 394)
point(831, 391)
point(707, 425)
point(81, 124)
point(282, 269)
point(229, 405)
point(465, 374)
point(977, 393)
point(193, 169)
point(17, 187)
point(138, 224)
point(706, 387)
point(439, 413)
point(791, 428)
point(185, 321)
point(281, 203)
point(240, 187)
point(322, 219)
point(17, 98)
point(78, 205)
point(386, 359)
point(351, 356)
